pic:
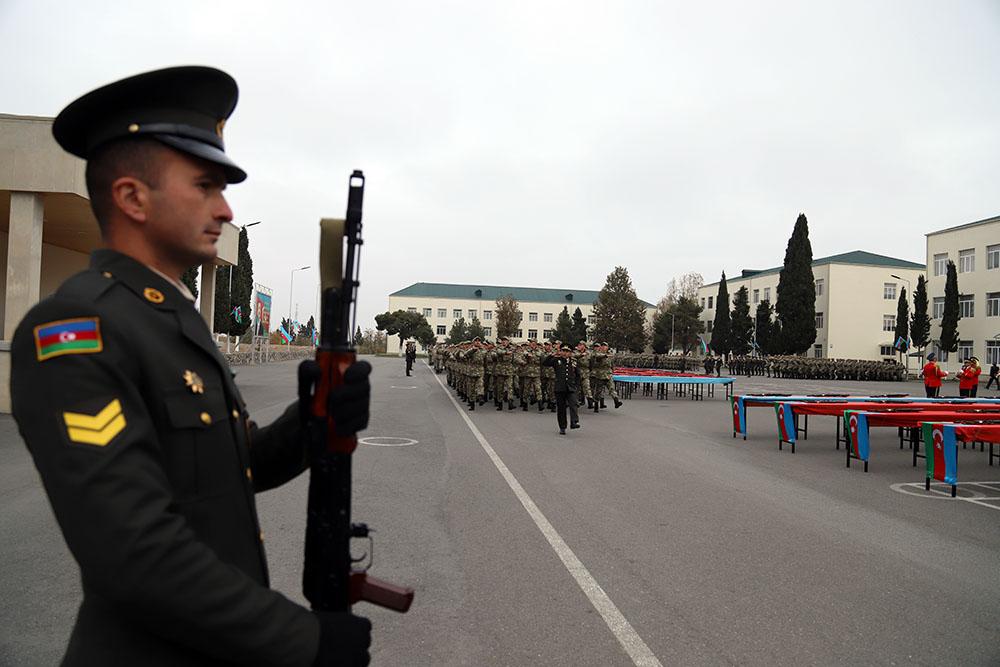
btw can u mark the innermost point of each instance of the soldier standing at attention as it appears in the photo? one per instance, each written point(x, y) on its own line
point(411, 356)
point(142, 440)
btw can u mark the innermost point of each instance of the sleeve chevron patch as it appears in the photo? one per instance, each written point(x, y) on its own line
point(97, 430)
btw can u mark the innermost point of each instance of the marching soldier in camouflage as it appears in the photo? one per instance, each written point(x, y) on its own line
point(601, 371)
point(503, 374)
point(528, 363)
point(548, 375)
point(582, 355)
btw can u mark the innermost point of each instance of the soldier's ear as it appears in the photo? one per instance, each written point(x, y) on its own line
point(131, 198)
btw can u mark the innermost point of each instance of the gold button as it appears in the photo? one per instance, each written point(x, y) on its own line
point(249, 474)
point(134, 127)
point(260, 536)
point(236, 413)
point(206, 418)
point(107, 274)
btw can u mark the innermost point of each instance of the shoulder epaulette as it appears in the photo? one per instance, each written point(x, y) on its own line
point(87, 285)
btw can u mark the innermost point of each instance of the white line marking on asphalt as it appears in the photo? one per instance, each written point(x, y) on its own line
point(943, 491)
point(620, 627)
point(395, 386)
point(397, 442)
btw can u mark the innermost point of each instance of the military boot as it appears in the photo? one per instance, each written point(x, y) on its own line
point(618, 403)
point(510, 404)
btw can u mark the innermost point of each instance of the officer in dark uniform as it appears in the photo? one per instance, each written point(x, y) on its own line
point(141, 437)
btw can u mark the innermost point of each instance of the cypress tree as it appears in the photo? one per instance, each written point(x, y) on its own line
point(796, 303)
point(950, 317)
point(190, 278)
point(222, 318)
point(902, 322)
point(721, 326)
point(579, 325)
point(741, 329)
point(564, 328)
point(762, 326)
point(619, 314)
point(242, 287)
point(920, 323)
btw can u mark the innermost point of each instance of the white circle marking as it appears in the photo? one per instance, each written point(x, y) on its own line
point(387, 441)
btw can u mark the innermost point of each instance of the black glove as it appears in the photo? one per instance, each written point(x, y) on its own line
point(349, 402)
point(343, 637)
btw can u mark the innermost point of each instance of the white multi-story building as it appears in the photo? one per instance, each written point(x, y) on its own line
point(441, 304)
point(975, 250)
point(856, 299)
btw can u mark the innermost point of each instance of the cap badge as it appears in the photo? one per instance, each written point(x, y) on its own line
point(193, 382)
point(153, 295)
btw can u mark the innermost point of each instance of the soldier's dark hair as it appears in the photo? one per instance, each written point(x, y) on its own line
point(124, 157)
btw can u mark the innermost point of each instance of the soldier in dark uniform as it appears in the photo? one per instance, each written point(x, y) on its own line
point(141, 437)
point(566, 382)
point(411, 356)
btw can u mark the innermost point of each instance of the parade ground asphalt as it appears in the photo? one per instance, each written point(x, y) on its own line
point(649, 536)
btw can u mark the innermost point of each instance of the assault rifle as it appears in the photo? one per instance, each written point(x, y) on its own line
point(333, 579)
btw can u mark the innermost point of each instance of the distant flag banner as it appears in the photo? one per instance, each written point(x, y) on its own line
point(76, 336)
point(702, 347)
point(739, 414)
point(856, 425)
point(786, 421)
point(315, 336)
point(237, 314)
point(262, 307)
point(285, 334)
point(902, 343)
point(941, 452)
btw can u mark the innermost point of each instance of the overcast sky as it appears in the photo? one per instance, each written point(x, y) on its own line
point(543, 143)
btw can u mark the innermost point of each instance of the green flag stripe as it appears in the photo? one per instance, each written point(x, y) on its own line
point(71, 345)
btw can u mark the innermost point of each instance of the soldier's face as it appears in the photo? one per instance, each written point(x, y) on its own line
point(188, 209)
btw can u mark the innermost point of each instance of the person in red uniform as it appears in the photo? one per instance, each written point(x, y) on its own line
point(977, 370)
point(966, 378)
point(932, 375)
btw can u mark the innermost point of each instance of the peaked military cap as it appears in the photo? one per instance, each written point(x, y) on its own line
point(182, 107)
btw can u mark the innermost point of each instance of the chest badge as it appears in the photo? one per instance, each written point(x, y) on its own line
point(193, 382)
point(153, 295)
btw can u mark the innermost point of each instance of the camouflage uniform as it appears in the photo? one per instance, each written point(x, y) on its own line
point(600, 376)
point(528, 361)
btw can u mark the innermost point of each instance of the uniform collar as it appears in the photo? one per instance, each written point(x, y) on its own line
point(151, 286)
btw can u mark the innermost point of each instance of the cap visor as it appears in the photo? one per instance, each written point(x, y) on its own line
point(206, 152)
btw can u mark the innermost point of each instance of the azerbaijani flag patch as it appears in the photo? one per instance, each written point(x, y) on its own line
point(76, 336)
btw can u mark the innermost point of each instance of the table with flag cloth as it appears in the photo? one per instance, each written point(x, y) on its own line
point(941, 444)
point(657, 383)
point(738, 403)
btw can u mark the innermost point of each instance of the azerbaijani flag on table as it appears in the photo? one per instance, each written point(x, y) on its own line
point(856, 426)
point(941, 452)
point(786, 421)
point(76, 336)
point(739, 414)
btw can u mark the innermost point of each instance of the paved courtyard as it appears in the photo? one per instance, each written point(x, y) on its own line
point(648, 536)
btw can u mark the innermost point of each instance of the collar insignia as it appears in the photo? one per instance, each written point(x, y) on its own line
point(193, 382)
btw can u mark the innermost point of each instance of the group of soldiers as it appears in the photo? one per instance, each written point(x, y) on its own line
point(778, 366)
point(513, 374)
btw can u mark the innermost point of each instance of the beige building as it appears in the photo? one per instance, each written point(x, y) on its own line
point(975, 250)
point(47, 229)
point(443, 303)
point(856, 299)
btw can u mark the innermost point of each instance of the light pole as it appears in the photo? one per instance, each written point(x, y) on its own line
point(291, 283)
point(909, 295)
point(671, 332)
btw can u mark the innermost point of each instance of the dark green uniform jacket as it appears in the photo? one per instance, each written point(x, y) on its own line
point(150, 462)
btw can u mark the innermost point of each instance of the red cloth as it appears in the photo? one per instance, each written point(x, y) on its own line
point(836, 408)
point(978, 433)
point(932, 374)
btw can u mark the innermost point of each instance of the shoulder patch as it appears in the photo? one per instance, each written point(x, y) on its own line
point(99, 429)
point(81, 335)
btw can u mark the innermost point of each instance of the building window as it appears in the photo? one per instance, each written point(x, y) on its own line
point(941, 264)
point(547, 317)
point(703, 303)
point(547, 334)
point(967, 260)
point(487, 314)
point(442, 313)
point(532, 317)
point(710, 306)
point(942, 355)
point(819, 289)
point(993, 351)
point(519, 334)
point(966, 305)
point(819, 320)
point(457, 313)
point(427, 312)
point(993, 304)
point(886, 350)
point(937, 308)
point(964, 349)
point(817, 351)
point(708, 326)
point(532, 334)
point(889, 291)
point(888, 323)
point(442, 330)
point(472, 314)
point(487, 331)
point(411, 310)
point(756, 296)
point(993, 257)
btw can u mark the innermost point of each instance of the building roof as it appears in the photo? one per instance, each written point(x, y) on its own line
point(494, 292)
point(984, 221)
point(857, 257)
